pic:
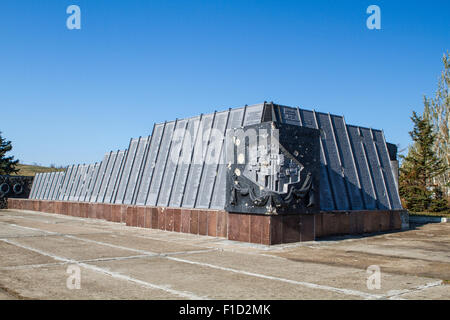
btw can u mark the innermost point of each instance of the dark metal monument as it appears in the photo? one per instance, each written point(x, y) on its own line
point(14, 187)
point(274, 169)
point(265, 160)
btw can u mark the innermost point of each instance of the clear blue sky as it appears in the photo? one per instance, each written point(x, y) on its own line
point(69, 96)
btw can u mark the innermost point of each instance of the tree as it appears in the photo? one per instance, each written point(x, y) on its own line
point(7, 164)
point(437, 111)
point(419, 169)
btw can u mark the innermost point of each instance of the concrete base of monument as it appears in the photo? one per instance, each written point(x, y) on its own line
point(259, 229)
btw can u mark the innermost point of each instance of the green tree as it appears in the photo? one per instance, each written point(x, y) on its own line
point(7, 164)
point(420, 168)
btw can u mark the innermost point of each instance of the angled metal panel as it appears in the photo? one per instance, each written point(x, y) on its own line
point(346, 156)
point(253, 114)
point(75, 181)
point(125, 174)
point(87, 178)
point(99, 177)
point(375, 169)
point(35, 187)
point(236, 118)
point(362, 165)
point(44, 186)
point(184, 164)
point(49, 185)
point(290, 115)
point(172, 162)
point(142, 168)
point(53, 178)
point(41, 185)
point(196, 166)
point(161, 162)
point(335, 169)
point(65, 183)
point(112, 184)
point(355, 178)
point(326, 193)
point(81, 182)
point(58, 185)
point(92, 182)
point(150, 163)
point(386, 165)
point(210, 169)
point(107, 177)
point(136, 169)
point(53, 187)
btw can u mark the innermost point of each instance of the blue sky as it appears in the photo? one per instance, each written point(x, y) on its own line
point(69, 96)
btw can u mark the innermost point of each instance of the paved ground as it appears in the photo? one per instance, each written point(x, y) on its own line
point(119, 262)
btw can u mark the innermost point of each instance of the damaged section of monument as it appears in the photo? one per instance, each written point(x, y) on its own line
point(264, 173)
point(273, 169)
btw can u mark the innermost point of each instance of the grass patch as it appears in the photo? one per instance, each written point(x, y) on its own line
point(445, 214)
point(31, 170)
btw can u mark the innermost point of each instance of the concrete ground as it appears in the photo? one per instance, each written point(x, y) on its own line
point(117, 262)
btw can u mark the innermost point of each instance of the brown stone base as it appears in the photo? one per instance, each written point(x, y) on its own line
point(260, 229)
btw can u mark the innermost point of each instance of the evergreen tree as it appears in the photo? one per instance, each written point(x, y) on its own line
point(7, 164)
point(419, 168)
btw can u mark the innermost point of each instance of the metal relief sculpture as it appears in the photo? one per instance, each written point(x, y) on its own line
point(273, 169)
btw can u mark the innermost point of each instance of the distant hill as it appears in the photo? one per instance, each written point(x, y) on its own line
point(31, 170)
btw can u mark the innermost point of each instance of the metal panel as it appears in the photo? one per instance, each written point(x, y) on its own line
point(195, 170)
point(44, 186)
point(92, 182)
point(150, 163)
point(112, 184)
point(87, 178)
point(161, 162)
point(290, 115)
point(386, 164)
point(107, 177)
point(65, 183)
point(81, 181)
point(351, 172)
point(136, 169)
point(185, 162)
point(219, 194)
point(49, 185)
point(58, 185)
point(125, 174)
point(210, 169)
point(35, 186)
point(326, 193)
point(39, 187)
point(173, 161)
point(99, 178)
point(335, 169)
point(253, 114)
point(368, 191)
point(346, 158)
point(75, 182)
point(373, 161)
point(52, 185)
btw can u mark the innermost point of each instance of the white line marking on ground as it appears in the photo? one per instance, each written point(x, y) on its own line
point(117, 275)
point(301, 283)
point(395, 294)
